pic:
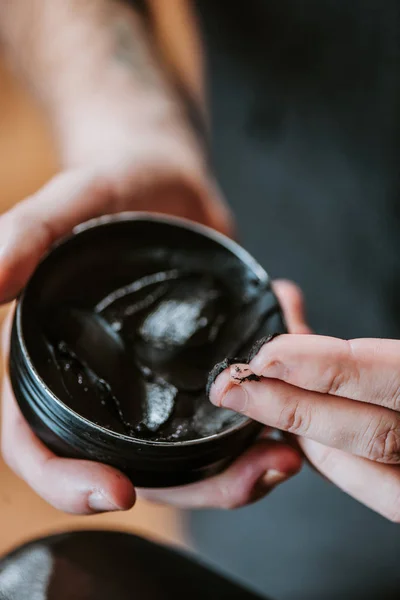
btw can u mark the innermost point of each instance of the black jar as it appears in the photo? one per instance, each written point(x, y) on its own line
point(99, 256)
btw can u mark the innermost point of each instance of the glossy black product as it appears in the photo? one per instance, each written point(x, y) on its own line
point(227, 362)
point(108, 565)
point(81, 272)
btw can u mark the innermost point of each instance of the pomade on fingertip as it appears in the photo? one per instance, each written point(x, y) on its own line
point(240, 373)
point(227, 362)
point(219, 368)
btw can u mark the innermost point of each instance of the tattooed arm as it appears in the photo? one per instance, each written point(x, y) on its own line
point(95, 66)
point(125, 144)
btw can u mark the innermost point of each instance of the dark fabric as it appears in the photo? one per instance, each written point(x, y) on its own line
point(100, 565)
point(305, 99)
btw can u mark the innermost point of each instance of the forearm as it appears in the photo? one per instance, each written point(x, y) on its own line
point(93, 65)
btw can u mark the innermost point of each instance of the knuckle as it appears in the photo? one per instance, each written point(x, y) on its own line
point(339, 375)
point(384, 446)
point(336, 380)
point(295, 418)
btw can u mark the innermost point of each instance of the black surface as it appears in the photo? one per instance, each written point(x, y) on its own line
point(100, 565)
point(306, 100)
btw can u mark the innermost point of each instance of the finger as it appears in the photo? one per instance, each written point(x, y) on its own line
point(363, 429)
point(365, 369)
point(75, 486)
point(292, 302)
point(29, 229)
point(377, 486)
point(260, 469)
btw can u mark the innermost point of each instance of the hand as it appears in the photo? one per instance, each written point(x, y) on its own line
point(341, 399)
point(27, 232)
point(117, 115)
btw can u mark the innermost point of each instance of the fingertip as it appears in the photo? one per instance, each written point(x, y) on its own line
point(107, 490)
point(121, 491)
point(289, 291)
point(291, 299)
point(83, 487)
point(219, 387)
point(289, 460)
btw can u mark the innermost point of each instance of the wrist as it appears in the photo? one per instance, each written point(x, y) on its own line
point(118, 97)
point(97, 69)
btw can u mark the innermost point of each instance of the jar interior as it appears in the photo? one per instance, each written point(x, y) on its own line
point(123, 322)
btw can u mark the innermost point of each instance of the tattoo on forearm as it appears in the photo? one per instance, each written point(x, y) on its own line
point(132, 50)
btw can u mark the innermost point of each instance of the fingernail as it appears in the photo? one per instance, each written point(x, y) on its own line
point(266, 483)
point(97, 502)
point(273, 478)
point(236, 399)
point(216, 379)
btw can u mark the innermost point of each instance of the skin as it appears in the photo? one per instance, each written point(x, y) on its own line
point(125, 144)
point(340, 399)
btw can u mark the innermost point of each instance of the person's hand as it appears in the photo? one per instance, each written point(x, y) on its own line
point(120, 119)
point(341, 399)
point(27, 232)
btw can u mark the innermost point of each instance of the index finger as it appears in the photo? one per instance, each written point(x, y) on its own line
point(363, 429)
point(366, 370)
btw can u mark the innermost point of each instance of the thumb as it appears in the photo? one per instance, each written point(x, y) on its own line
point(292, 302)
point(29, 229)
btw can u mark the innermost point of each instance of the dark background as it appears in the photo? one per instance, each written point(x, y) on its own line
point(305, 105)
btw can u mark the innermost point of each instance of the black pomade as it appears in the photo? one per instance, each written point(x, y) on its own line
point(227, 362)
point(138, 361)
